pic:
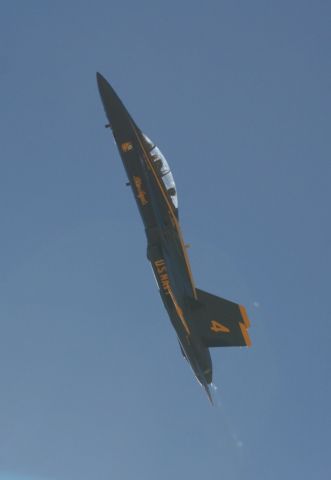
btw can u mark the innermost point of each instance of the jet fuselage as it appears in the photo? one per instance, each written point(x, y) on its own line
point(166, 250)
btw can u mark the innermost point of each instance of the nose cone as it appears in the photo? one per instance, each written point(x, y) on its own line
point(113, 106)
point(107, 93)
point(102, 84)
point(100, 77)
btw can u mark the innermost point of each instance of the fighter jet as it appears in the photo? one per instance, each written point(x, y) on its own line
point(201, 320)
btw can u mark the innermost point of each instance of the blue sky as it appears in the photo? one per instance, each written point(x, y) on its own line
point(237, 96)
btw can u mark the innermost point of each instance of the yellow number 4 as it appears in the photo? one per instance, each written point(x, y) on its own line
point(218, 327)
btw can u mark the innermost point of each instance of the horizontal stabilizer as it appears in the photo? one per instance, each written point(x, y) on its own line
point(221, 323)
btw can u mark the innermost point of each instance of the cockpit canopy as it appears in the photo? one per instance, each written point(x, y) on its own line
point(163, 170)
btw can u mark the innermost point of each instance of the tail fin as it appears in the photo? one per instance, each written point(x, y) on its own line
point(221, 323)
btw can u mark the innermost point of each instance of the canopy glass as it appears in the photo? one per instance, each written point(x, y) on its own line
point(163, 170)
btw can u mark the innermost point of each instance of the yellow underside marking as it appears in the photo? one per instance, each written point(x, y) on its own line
point(218, 327)
point(140, 193)
point(173, 216)
point(245, 334)
point(245, 325)
point(126, 146)
point(244, 315)
point(179, 312)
